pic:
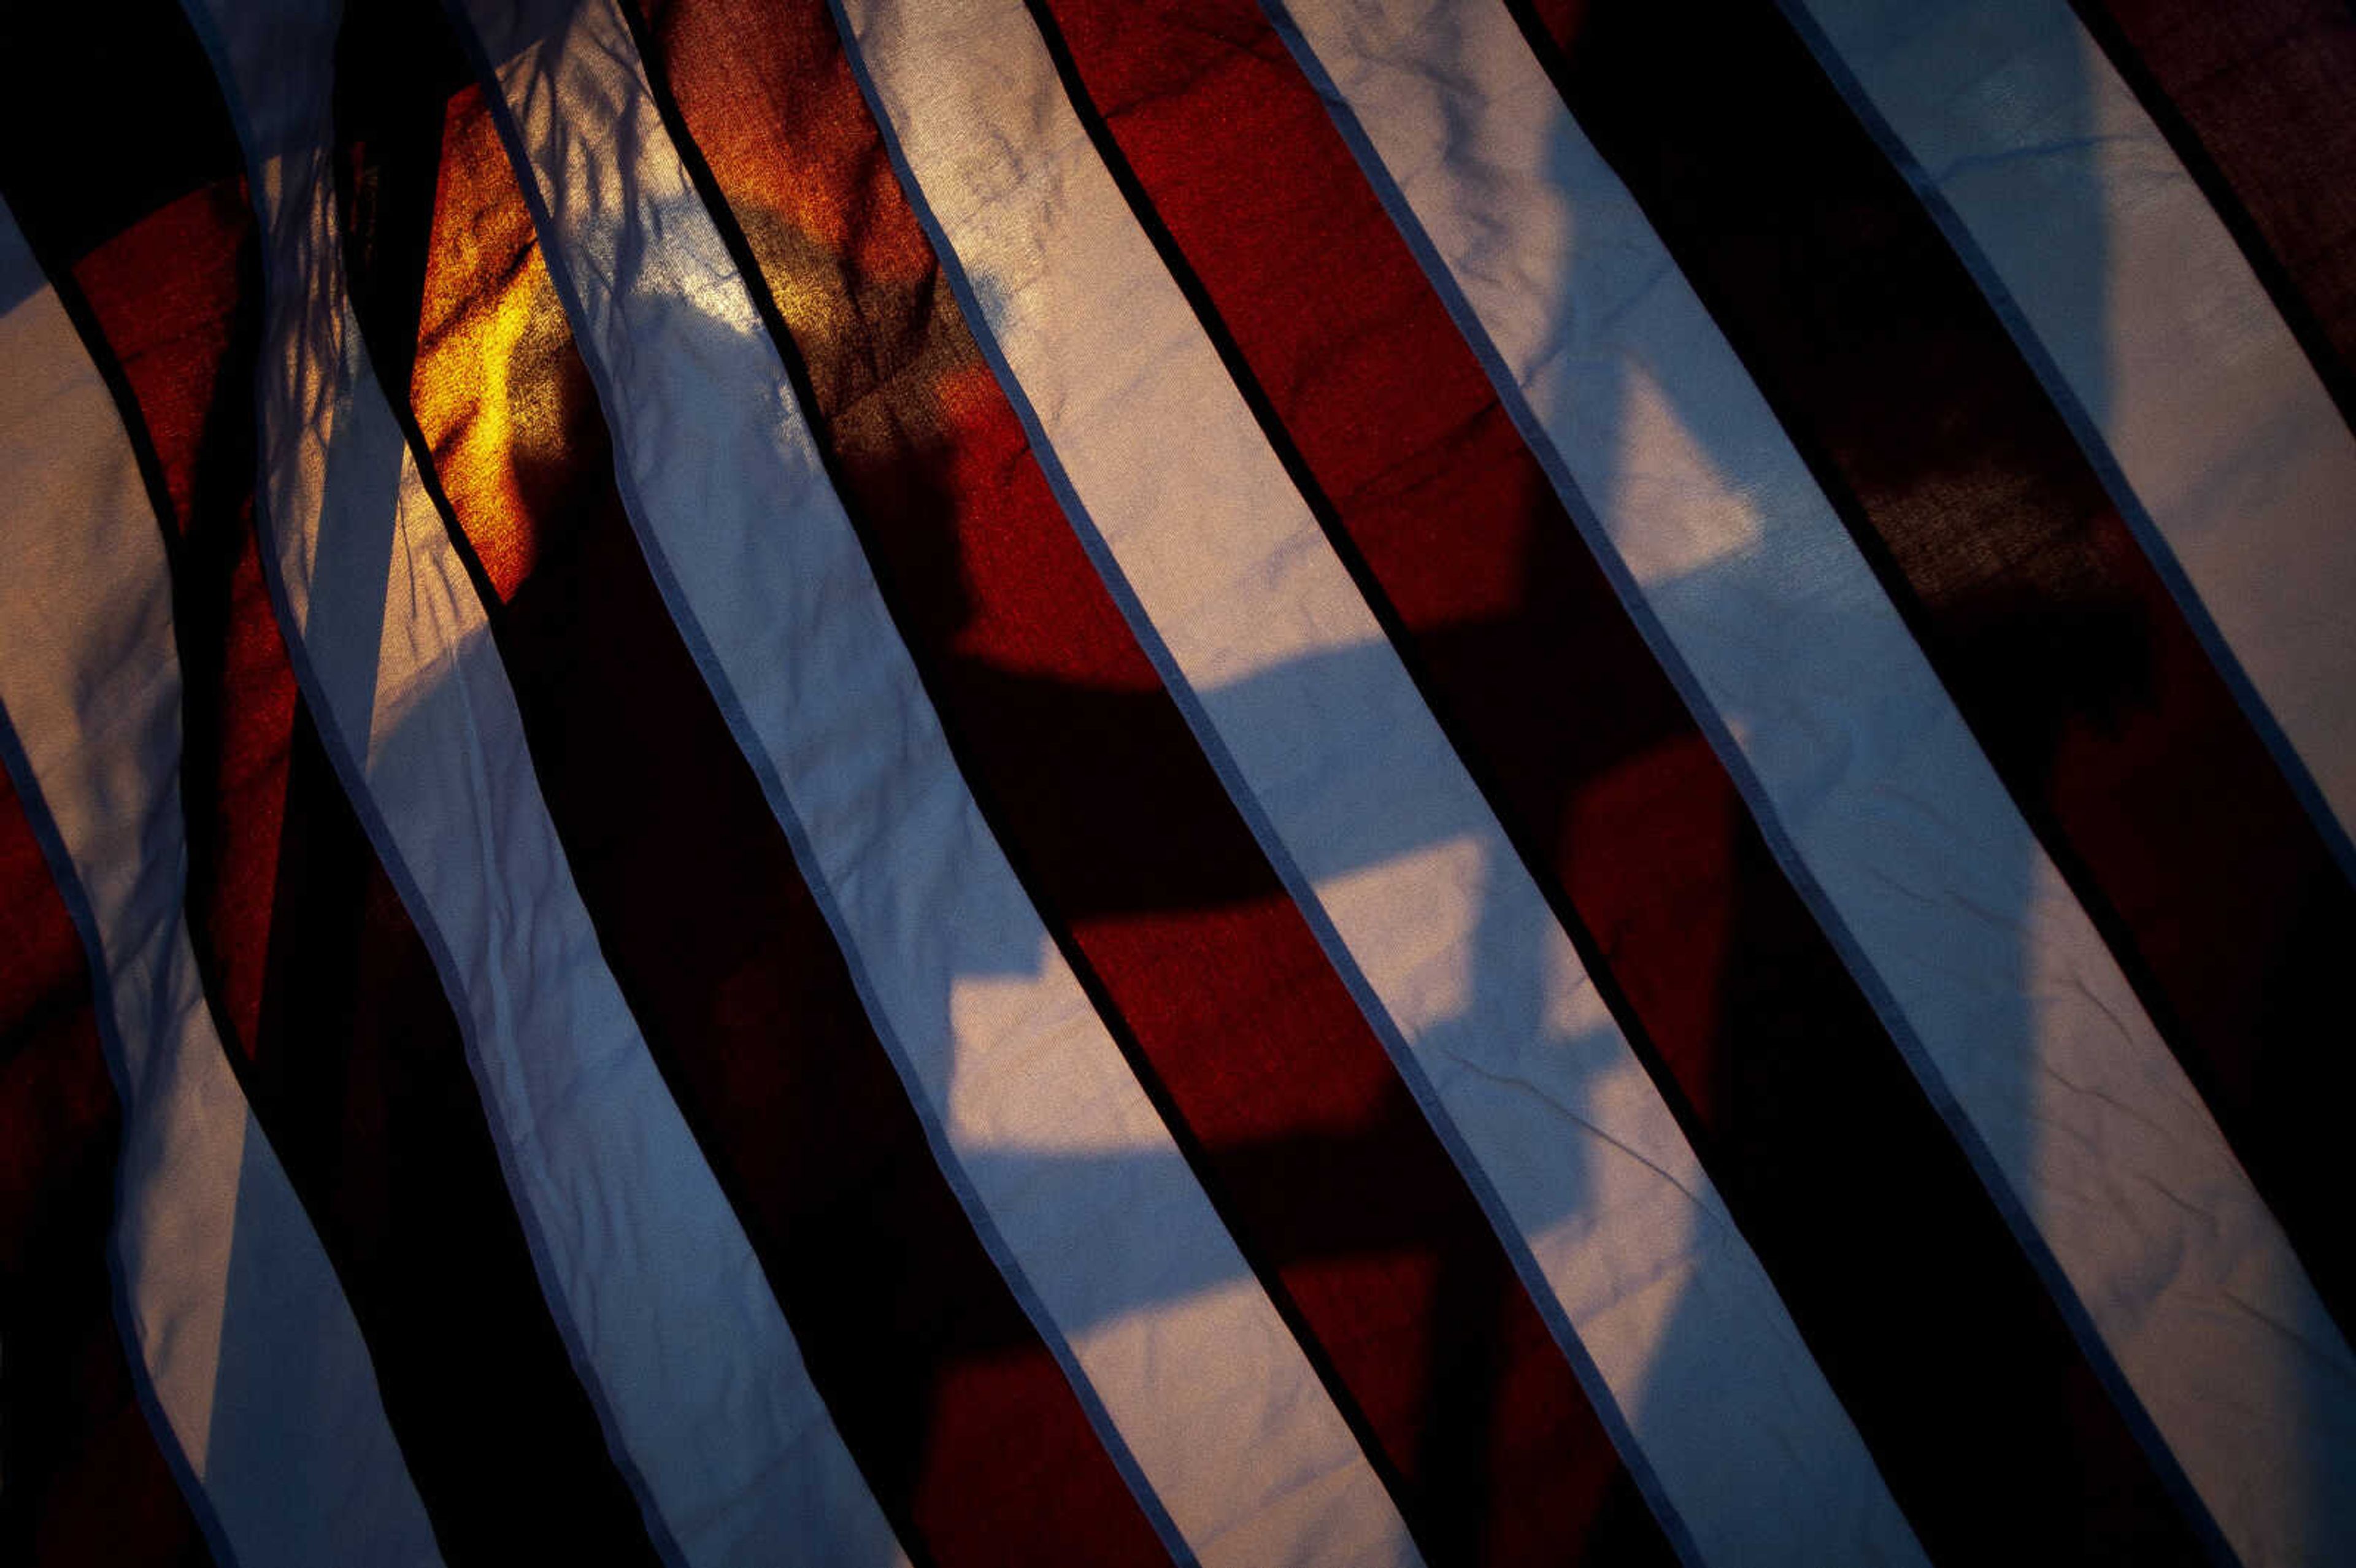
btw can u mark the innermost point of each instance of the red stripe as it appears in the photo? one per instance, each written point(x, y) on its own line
point(1921, 1310)
point(86, 1481)
point(326, 998)
point(959, 1417)
point(1934, 441)
point(2255, 98)
point(1319, 1161)
point(171, 302)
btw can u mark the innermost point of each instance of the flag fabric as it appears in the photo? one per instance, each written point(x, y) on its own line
point(954, 782)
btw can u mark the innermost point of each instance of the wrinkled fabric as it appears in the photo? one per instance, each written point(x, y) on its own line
point(1316, 783)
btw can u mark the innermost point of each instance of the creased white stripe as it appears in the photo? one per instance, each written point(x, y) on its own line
point(1866, 765)
point(247, 1339)
point(1176, 484)
point(2147, 307)
point(669, 1316)
point(1234, 1436)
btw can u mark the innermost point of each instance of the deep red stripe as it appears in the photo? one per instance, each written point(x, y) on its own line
point(327, 1001)
point(959, 1417)
point(171, 302)
point(1325, 1169)
point(86, 1479)
point(2075, 668)
point(2258, 99)
point(1898, 1269)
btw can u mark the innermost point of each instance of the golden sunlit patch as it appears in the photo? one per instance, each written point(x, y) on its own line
point(487, 297)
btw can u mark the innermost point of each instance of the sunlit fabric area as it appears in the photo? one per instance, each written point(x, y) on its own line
point(1225, 783)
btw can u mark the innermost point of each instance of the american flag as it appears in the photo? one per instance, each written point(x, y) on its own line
point(1342, 782)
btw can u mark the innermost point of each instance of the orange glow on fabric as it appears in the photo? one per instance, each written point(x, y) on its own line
point(492, 348)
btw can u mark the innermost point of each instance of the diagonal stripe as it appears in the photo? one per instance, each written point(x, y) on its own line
point(1883, 809)
point(1346, 1202)
point(2063, 650)
point(2254, 101)
point(1073, 1173)
point(717, 1423)
point(1293, 684)
point(88, 1478)
point(339, 1032)
point(2181, 377)
point(1780, 1071)
point(922, 1353)
point(249, 1347)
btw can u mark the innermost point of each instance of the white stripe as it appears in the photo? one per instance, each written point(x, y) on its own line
point(1207, 1390)
point(2147, 307)
point(246, 1335)
point(1175, 484)
point(1866, 765)
point(669, 1316)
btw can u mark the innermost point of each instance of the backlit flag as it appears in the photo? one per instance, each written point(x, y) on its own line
point(1345, 782)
